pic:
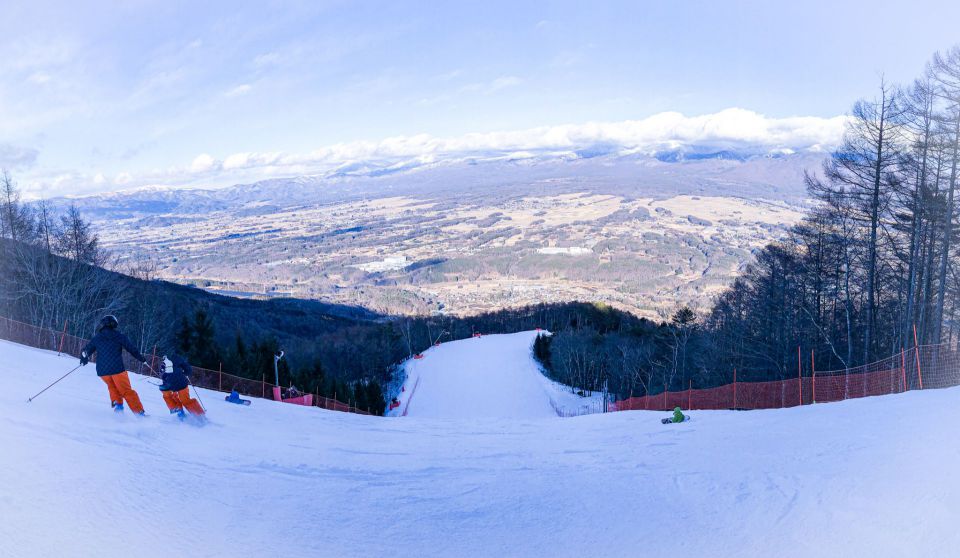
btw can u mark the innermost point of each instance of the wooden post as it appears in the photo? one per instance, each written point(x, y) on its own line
point(689, 395)
point(665, 397)
point(62, 335)
point(903, 369)
point(263, 386)
point(734, 388)
point(220, 381)
point(800, 374)
point(813, 375)
point(916, 348)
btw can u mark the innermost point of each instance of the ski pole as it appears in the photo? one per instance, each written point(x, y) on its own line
point(54, 383)
point(197, 392)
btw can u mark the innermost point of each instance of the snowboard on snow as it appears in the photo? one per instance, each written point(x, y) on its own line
point(686, 418)
point(234, 397)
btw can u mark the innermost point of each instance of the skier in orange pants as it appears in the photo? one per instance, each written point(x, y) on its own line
point(119, 387)
point(109, 344)
point(176, 387)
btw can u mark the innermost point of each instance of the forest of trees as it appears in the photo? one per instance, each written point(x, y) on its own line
point(875, 257)
point(869, 271)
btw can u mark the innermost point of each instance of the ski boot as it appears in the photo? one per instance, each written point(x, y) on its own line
point(117, 407)
point(179, 412)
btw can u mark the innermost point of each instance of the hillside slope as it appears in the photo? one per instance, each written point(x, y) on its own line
point(869, 477)
point(493, 376)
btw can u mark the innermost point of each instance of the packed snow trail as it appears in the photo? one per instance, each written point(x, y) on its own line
point(493, 376)
point(867, 477)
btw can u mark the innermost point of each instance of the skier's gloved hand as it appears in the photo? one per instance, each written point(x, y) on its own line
point(84, 360)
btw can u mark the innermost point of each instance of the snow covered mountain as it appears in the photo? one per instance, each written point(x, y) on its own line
point(865, 477)
point(679, 170)
point(644, 233)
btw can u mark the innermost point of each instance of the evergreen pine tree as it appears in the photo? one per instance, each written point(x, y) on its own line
point(184, 337)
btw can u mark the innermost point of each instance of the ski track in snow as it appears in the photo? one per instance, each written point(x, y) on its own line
point(867, 477)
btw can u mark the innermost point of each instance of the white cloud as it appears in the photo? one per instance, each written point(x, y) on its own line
point(239, 90)
point(728, 129)
point(203, 163)
point(735, 129)
point(267, 59)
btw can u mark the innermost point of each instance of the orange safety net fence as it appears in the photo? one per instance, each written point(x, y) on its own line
point(217, 380)
point(924, 367)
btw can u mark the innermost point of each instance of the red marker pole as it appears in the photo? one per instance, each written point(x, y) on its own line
point(916, 347)
point(800, 374)
point(813, 375)
point(903, 370)
point(734, 388)
point(62, 335)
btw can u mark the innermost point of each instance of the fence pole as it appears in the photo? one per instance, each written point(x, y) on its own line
point(220, 380)
point(689, 395)
point(263, 386)
point(62, 335)
point(903, 369)
point(665, 397)
point(813, 375)
point(800, 374)
point(734, 388)
point(916, 347)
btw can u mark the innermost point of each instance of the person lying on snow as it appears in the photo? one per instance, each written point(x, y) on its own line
point(174, 371)
point(678, 416)
point(109, 345)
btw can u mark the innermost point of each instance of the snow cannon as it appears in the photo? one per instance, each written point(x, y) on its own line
point(418, 356)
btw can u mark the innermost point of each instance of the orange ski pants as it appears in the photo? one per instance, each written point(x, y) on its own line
point(120, 391)
point(176, 400)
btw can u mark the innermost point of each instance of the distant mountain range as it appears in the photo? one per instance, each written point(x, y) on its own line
point(682, 170)
point(638, 230)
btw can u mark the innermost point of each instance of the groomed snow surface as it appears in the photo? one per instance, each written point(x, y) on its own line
point(493, 376)
point(868, 477)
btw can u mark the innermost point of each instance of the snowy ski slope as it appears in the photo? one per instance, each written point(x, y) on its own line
point(866, 477)
point(493, 376)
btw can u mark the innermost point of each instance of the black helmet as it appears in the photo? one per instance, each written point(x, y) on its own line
point(109, 321)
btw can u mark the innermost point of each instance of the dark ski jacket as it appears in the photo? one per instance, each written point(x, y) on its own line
point(176, 379)
point(109, 344)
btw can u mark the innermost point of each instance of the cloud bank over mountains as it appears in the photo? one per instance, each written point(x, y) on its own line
point(734, 130)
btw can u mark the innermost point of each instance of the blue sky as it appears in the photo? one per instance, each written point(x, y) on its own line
point(102, 97)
